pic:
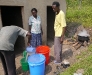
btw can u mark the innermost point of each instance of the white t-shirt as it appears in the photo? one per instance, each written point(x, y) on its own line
point(36, 24)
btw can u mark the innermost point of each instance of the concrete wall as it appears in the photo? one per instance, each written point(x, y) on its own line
point(41, 6)
point(42, 11)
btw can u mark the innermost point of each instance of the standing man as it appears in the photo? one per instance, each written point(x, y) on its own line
point(59, 27)
point(8, 37)
point(35, 28)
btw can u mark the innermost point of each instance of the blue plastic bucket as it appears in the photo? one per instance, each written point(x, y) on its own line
point(30, 50)
point(36, 64)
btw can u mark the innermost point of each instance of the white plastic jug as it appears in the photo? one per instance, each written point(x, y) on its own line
point(30, 50)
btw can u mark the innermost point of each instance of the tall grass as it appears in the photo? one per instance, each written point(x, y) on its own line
point(79, 11)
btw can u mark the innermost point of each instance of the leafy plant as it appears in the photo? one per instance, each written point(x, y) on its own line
point(83, 15)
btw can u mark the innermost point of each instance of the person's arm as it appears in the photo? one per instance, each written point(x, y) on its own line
point(41, 30)
point(41, 25)
point(63, 23)
point(30, 26)
point(24, 33)
point(63, 33)
point(29, 38)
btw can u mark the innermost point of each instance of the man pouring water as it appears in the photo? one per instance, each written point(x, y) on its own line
point(8, 37)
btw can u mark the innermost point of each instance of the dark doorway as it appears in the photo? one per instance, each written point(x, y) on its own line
point(11, 15)
point(50, 25)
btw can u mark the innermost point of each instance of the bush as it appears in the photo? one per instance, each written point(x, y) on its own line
point(82, 15)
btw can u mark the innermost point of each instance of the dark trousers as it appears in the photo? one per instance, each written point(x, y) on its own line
point(8, 62)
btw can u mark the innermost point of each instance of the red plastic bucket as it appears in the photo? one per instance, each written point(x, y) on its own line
point(45, 51)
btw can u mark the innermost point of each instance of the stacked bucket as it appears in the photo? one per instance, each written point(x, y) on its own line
point(37, 61)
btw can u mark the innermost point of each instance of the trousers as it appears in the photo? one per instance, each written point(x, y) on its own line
point(8, 62)
point(57, 49)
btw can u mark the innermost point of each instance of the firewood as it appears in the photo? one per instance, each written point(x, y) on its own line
point(78, 46)
point(75, 44)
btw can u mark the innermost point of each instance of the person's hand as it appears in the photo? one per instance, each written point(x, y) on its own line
point(28, 44)
point(61, 40)
point(28, 34)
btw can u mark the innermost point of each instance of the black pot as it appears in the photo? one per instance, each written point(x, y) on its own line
point(83, 38)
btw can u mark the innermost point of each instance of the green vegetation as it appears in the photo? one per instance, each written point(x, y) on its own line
point(79, 11)
point(85, 63)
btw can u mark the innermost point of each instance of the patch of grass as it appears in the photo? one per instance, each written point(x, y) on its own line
point(90, 47)
point(81, 55)
point(85, 63)
point(82, 15)
point(85, 53)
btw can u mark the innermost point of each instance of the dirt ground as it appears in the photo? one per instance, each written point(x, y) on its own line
point(69, 54)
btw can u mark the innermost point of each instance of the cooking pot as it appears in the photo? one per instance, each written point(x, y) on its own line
point(83, 38)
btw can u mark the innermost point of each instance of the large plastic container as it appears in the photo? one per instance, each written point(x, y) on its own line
point(24, 54)
point(30, 50)
point(24, 64)
point(45, 51)
point(36, 64)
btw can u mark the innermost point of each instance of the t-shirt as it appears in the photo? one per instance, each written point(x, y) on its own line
point(36, 24)
point(59, 23)
point(8, 36)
